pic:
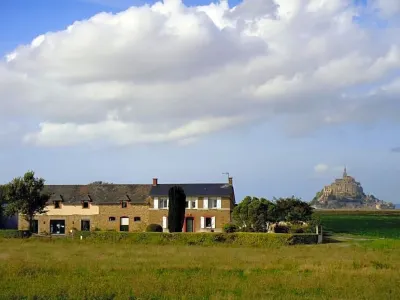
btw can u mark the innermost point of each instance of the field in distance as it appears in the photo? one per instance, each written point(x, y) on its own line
point(64, 269)
point(368, 223)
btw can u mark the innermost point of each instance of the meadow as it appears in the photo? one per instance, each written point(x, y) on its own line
point(367, 223)
point(71, 269)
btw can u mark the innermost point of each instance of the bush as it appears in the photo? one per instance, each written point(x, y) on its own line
point(230, 228)
point(281, 229)
point(199, 239)
point(154, 228)
point(11, 233)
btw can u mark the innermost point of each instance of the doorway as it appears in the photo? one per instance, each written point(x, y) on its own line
point(85, 225)
point(35, 226)
point(57, 226)
point(124, 226)
point(189, 224)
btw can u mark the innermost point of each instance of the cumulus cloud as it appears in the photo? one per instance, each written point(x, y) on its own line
point(167, 72)
point(323, 168)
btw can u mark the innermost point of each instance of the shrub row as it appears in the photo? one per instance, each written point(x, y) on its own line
point(13, 233)
point(203, 239)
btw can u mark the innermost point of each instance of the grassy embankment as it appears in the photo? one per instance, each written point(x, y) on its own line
point(367, 223)
point(65, 269)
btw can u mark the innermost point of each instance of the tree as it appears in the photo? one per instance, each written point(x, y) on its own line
point(292, 209)
point(24, 195)
point(252, 214)
point(177, 206)
point(2, 202)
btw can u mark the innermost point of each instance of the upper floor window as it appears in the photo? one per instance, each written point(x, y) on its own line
point(124, 204)
point(85, 204)
point(57, 204)
point(191, 203)
point(163, 202)
point(212, 202)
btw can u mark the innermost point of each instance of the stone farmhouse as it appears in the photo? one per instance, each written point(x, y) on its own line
point(131, 207)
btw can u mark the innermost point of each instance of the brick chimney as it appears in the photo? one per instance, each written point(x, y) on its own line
point(155, 181)
point(230, 180)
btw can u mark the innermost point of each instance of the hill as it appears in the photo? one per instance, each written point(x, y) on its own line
point(346, 192)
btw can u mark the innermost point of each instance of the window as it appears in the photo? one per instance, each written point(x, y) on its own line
point(208, 222)
point(85, 204)
point(163, 203)
point(191, 203)
point(212, 202)
point(111, 219)
point(57, 204)
point(124, 204)
point(136, 219)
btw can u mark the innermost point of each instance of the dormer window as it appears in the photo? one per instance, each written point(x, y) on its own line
point(85, 204)
point(124, 204)
point(57, 204)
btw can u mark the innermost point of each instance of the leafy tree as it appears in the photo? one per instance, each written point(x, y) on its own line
point(177, 206)
point(24, 195)
point(2, 202)
point(292, 209)
point(252, 214)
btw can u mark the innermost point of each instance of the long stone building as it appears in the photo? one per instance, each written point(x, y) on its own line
point(131, 207)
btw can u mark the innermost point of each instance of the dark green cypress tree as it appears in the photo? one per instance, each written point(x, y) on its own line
point(177, 206)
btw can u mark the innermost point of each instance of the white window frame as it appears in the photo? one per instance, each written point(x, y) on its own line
point(190, 201)
point(165, 222)
point(212, 201)
point(162, 201)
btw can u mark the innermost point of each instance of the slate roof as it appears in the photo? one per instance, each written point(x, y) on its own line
point(195, 189)
point(99, 193)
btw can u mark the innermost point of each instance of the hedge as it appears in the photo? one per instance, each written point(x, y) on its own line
point(13, 233)
point(203, 239)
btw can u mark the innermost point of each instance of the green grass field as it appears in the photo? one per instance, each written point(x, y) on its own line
point(381, 224)
point(62, 269)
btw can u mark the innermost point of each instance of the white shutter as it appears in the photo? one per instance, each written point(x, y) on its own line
point(205, 202)
point(213, 222)
point(219, 202)
point(196, 204)
point(155, 202)
point(202, 222)
point(167, 203)
point(164, 222)
point(124, 221)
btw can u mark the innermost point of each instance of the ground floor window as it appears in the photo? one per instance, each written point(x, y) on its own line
point(85, 225)
point(57, 226)
point(136, 219)
point(208, 222)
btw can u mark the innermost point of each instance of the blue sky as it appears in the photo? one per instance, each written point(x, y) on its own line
point(275, 151)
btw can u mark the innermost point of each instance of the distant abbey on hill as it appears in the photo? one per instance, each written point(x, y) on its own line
point(346, 192)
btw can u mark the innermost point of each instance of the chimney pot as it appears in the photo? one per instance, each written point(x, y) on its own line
point(230, 180)
point(155, 181)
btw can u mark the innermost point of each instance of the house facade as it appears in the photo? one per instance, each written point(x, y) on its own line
point(131, 207)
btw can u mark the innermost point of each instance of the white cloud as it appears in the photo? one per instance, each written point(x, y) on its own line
point(168, 72)
point(323, 168)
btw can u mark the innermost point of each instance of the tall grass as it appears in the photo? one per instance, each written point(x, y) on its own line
point(67, 269)
point(383, 224)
